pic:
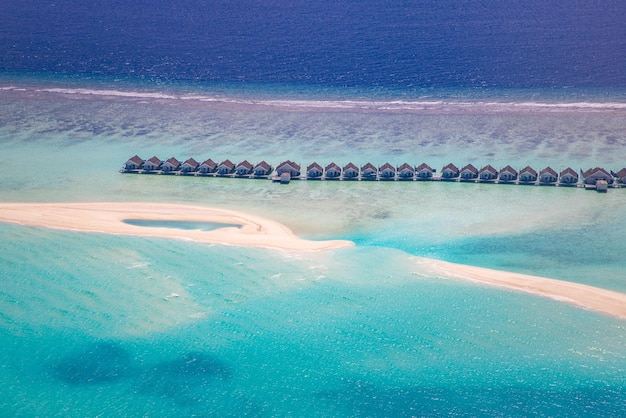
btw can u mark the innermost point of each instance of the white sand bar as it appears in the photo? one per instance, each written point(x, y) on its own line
point(585, 296)
point(109, 218)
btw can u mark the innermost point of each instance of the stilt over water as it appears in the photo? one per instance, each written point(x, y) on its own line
point(593, 179)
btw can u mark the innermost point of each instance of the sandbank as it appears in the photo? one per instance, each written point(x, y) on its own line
point(109, 218)
point(258, 232)
point(589, 297)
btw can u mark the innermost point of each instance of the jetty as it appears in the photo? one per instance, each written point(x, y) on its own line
point(596, 178)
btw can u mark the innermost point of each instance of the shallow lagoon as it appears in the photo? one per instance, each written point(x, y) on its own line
point(94, 323)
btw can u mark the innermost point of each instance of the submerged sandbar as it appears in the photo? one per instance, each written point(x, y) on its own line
point(242, 229)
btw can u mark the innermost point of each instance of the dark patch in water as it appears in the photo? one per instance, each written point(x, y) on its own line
point(102, 362)
point(187, 380)
point(381, 214)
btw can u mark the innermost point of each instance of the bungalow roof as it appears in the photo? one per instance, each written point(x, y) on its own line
point(621, 173)
point(192, 162)
point(368, 166)
point(548, 170)
point(450, 167)
point(209, 163)
point(423, 166)
point(227, 163)
point(154, 160)
point(315, 166)
point(387, 166)
point(528, 169)
point(290, 164)
point(173, 161)
point(350, 166)
point(509, 169)
point(135, 160)
point(595, 170)
point(406, 166)
point(245, 164)
point(569, 171)
point(471, 168)
point(263, 165)
point(489, 168)
point(333, 166)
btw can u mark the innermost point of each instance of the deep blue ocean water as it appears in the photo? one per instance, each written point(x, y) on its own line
point(397, 45)
point(99, 325)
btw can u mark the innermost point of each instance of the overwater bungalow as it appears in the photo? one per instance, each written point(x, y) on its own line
point(592, 175)
point(133, 163)
point(225, 168)
point(170, 166)
point(189, 166)
point(288, 167)
point(350, 172)
point(406, 172)
point(152, 165)
point(507, 175)
point(332, 172)
point(424, 172)
point(527, 175)
point(369, 172)
point(207, 167)
point(487, 173)
point(243, 169)
point(387, 172)
point(547, 176)
point(621, 176)
point(468, 173)
point(568, 177)
point(450, 172)
point(261, 170)
point(314, 172)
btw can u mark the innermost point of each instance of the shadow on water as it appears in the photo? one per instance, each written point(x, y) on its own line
point(358, 398)
point(101, 362)
point(187, 379)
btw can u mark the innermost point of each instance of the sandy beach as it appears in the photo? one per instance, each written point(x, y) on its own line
point(585, 296)
point(258, 232)
point(109, 218)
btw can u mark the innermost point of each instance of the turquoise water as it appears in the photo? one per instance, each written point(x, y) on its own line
point(94, 324)
point(185, 225)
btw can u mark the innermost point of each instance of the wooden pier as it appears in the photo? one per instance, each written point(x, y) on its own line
point(596, 178)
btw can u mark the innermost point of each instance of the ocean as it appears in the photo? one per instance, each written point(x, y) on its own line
point(101, 325)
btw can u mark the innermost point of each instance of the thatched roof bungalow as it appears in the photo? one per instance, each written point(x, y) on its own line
point(133, 163)
point(369, 172)
point(387, 172)
point(487, 173)
point(189, 166)
point(527, 175)
point(350, 171)
point(288, 167)
point(207, 167)
point(332, 171)
point(424, 172)
point(592, 175)
point(152, 165)
point(262, 169)
point(468, 173)
point(547, 176)
point(568, 177)
point(314, 171)
point(507, 174)
point(449, 172)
